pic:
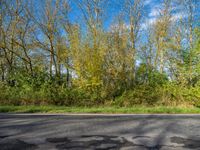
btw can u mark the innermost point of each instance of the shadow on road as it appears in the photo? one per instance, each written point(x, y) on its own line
point(15, 144)
point(91, 142)
point(188, 143)
point(89, 134)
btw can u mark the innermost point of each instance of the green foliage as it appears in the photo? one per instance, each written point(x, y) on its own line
point(106, 109)
point(53, 60)
point(140, 95)
point(150, 76)
point(41, 90)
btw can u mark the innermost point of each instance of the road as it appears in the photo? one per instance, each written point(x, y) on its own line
point(99, 132)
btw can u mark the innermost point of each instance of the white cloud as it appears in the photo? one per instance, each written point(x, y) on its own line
point(147, 2)
point(148, 22)
point(178, 16)
point(116, 27)
point(154, 12)
point(151, 20)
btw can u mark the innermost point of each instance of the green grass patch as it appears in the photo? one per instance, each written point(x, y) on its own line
point(109, 110)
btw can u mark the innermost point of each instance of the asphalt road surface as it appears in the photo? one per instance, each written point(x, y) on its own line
point(99, 132)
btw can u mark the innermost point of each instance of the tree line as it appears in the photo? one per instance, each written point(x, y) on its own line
point(50, 54)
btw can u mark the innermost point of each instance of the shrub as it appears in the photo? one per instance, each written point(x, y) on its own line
point(140, 95)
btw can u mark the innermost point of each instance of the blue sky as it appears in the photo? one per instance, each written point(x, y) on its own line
point(151, 11)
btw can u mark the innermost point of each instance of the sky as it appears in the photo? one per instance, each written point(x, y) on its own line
point(151, 12)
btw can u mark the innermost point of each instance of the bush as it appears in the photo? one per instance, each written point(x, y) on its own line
point(140, 95)
point(48, 93)
point(169, 94)
point(41, 90)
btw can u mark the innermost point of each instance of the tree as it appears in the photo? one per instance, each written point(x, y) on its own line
point(134, 11)
point(162, 26)
point(16, 30)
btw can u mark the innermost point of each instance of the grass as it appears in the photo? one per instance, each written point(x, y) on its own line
point(109, 110)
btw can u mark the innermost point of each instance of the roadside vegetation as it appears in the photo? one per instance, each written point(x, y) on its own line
point(101, 110)
point(49, 55)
